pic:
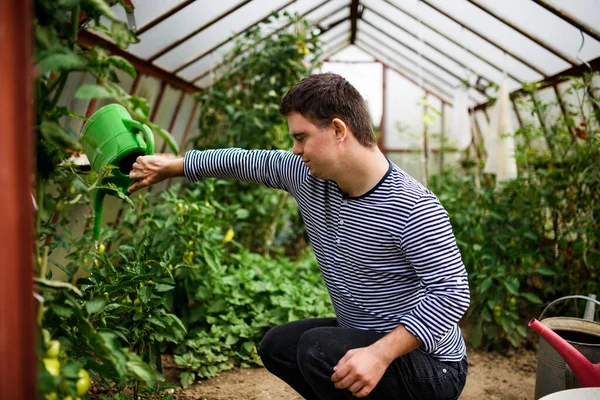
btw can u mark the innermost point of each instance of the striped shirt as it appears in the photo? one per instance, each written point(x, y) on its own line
point(388, 257)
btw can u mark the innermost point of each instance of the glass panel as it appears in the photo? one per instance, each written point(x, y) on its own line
point(208, 38)
point(333, 49)
point(165, 112)
point(335, 31)
point(525, 107)
point(575, 101)
point(212, 59)
point(437, 41)
point(352, 53)
point(434, 129)
point(367, 79)
point(403, 123)
point(67, 99)
point(323, 10)
point(189, 103)
point(504, 35)
point(586, 11)
point(148, 88)
point(553, 112)
point(407, 57)
point(206, 63)
point(546, 26)
point(429, 81)
point(205, 82)
point(146, 11)
point(418, 47)
point(125, 81)
point(179, 25)
point(411, 163)
point(468, 39)
point(343, 13)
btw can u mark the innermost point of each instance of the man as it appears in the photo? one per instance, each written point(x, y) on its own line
point(384, 245)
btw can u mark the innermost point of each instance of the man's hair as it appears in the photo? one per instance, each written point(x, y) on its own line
point(322, 97)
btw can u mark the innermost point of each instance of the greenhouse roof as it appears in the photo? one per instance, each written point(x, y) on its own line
point(437, 44)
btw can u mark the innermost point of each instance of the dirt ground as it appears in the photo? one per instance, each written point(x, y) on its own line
point(491, 377)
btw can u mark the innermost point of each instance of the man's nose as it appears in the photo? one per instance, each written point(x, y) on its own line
point(296, 149)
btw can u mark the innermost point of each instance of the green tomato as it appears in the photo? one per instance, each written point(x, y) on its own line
point(83, 382)
point(52, 396)
point(53, 349)
point(52, 365)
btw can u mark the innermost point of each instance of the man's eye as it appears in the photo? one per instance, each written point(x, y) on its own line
point(300, 139)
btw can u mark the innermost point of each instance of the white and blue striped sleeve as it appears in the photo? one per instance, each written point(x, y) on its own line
point(430, 246)
point(277, 169)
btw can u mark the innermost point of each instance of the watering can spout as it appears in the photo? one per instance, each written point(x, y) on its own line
point(587, 374)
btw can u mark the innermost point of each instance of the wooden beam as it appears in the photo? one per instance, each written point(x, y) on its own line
point(88, 39)
point(522, 31)
point(575, 71)
point(570, 19)
point(18, 343)
point(197, 31)
point(163, 17)
point(353, 20)
point(482, 36)
point(436, 49)
point(197, 78)
point(403, 74)
point(462, 46)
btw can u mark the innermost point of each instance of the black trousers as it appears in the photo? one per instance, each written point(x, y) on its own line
point(303, 354)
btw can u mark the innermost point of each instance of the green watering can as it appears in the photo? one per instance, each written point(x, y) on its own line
point(112, 137)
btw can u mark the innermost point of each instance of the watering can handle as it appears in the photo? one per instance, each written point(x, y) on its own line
point(576, 296)
point(146, 131)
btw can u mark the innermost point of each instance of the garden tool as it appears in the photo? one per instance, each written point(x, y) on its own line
point(112, 137)
point(577, 332)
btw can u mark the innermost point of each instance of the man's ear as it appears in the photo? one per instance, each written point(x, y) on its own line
point(340, 128)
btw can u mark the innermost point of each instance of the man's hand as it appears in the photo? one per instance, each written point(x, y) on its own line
point(360, 370)
point(148, 170)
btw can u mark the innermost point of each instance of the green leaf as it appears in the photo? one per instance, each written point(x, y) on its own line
point(145, 293)
point(512, 286)
point(58, 285)
point(62, 311)
point(123, 64)
point(90, 91)
point(140, 369)
point(209, 257)
point(103, 8)
point(58, 62)
point(121, 34)
point(177, 321)
point(532, 298)
point(545, 271)
point(168, 138)
point(56, 134)
point(163, 287)
point(187, 378)
point(242, 213)
point(95, 305)
point(521, 330)
point(485, 285)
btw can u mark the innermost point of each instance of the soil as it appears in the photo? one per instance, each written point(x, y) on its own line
point(491, 377)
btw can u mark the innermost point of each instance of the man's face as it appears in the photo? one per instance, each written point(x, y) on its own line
point(317, 146)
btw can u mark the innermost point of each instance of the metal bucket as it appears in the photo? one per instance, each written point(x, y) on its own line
point(553, 374)
point(575, 394)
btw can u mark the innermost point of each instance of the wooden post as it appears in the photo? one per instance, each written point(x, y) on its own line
point(17, 309)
